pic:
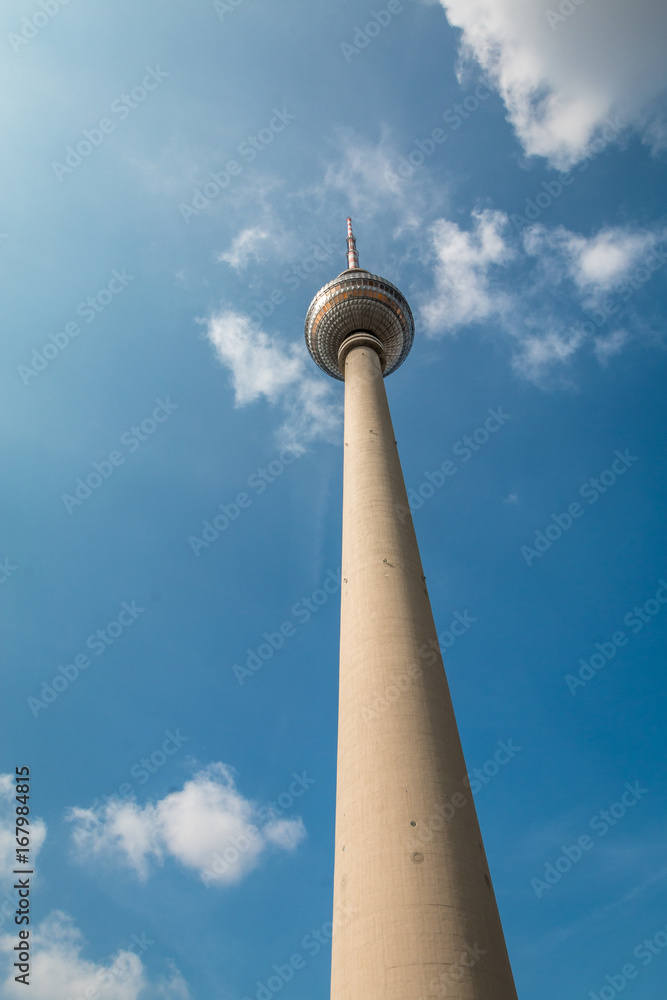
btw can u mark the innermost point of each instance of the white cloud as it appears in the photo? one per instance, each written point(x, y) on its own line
point(207, 826)
point(59, 972)
point(248, 243)
point(465, 259)
point(562, 75)
point(604, 260)
point(259, 365)
point(561, 291)
point(262, 366)
point(596, 263)
point(8, 846)
point(607, 257)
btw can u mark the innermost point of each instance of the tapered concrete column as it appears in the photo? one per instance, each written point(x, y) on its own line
point(415, 917)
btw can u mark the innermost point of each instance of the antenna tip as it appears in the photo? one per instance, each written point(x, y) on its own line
point(352, 255)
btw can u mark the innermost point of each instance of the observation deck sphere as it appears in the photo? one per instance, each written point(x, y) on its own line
point(358, 301)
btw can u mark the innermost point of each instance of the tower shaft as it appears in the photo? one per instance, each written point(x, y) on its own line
point(415, 916)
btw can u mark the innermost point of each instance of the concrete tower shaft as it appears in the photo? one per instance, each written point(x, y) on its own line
point(415, 916)
point(415, 912)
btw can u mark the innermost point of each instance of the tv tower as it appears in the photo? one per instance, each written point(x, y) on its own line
point(410, 869)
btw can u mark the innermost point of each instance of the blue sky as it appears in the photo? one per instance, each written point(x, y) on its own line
point(173, 463)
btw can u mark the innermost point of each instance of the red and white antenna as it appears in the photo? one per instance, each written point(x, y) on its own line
point(352, 255)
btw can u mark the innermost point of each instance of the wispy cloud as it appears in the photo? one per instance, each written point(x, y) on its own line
point(246, 244)
point(261, 365)
point(363, 171)
point(365, 174)
point(596, 263)
point(616, 868)
point(537, 354)
point(207, 826)
point(259, 243)
point(608, 347)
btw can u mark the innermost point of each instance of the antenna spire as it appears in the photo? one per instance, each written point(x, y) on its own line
point(352, 255)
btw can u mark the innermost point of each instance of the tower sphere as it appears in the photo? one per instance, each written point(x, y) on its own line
point(358, 302)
